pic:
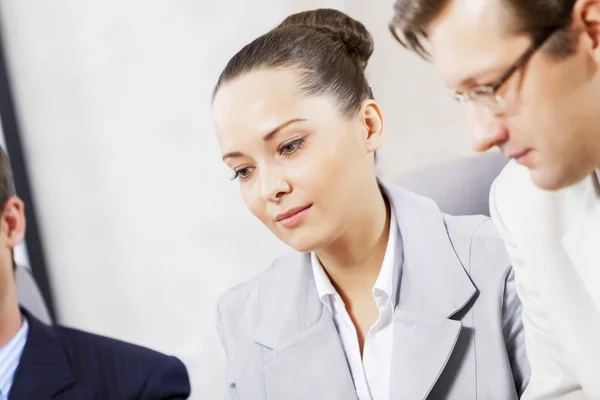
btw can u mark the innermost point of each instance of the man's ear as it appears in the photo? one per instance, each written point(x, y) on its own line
point(372, 120)
point(12, 221)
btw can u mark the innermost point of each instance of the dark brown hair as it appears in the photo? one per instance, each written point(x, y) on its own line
point(6, 187)
point(330, 49)
point(531, 17)
point(6, 182)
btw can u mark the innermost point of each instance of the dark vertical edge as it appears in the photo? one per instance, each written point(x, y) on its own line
point(10, 126)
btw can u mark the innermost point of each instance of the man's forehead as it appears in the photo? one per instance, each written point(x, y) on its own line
point(469, 39)
point(474, 12)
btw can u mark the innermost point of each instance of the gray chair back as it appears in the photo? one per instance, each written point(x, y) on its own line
point(459, 187)
point(29, 294)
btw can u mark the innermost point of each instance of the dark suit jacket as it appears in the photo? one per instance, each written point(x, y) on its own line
point(65, 364)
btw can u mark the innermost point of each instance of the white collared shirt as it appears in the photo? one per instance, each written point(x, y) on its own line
point(372, 373)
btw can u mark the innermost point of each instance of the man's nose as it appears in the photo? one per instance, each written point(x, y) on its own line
point(486, 130)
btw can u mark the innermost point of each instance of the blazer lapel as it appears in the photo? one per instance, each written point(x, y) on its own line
point(422, 347)
point(433, 287)
point(305, 357)
point(44, 369)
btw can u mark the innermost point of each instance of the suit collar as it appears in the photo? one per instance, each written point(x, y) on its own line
point(306, 355)
point(288, 300)
point(434, 286)
point(44, 369)
point(434, 281)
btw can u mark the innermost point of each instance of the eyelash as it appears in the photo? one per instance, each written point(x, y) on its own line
point(298, 143)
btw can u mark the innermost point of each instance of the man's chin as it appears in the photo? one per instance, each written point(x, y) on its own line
point(555, 179)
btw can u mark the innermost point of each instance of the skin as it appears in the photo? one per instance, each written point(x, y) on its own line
point(290, 150)
point(12, 231)
point(553, 116)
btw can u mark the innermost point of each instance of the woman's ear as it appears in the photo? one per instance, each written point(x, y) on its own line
point(372, 120)
point(586, 14)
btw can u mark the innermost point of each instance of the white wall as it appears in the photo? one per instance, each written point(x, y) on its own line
point(142, 226)
point(423, 124)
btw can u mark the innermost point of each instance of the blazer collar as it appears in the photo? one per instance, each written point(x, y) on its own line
point(434, 281)
point(44, 369)
point(306, 355)
point(434, 285)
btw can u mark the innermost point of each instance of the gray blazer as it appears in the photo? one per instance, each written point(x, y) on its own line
point(457, 332)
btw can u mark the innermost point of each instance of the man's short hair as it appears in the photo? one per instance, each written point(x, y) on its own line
point(6, 186)
point(6, 180)
point(530, 17)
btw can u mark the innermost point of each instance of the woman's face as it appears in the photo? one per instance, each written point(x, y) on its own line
point(303, 168)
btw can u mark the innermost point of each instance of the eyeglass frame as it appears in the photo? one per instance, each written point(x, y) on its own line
point(492, 88)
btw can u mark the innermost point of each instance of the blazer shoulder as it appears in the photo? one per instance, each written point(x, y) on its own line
point(239, 309)
point(238, 297)
point(135, 366)
point(466, 226)
point(75, 340)
point(80, 345)
point(479, 246)
point(245, 295)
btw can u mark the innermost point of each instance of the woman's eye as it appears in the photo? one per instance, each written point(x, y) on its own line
point(242, 173)
point(291, 147)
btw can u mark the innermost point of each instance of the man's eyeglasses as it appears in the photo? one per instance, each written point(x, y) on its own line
point(487, 95)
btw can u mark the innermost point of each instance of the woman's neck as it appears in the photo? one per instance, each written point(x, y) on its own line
point(354, 260)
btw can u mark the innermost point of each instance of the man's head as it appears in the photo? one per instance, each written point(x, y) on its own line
point(529, 72)
point(12, 227)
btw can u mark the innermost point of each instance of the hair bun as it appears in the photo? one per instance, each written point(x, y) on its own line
point(351, 32)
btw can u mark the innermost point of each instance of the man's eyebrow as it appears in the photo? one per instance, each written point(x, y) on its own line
point(471, 78)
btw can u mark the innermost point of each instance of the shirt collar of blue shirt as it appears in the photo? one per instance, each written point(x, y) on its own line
point(10, 356)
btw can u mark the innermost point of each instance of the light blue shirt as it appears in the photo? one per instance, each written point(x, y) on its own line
point(10, 356)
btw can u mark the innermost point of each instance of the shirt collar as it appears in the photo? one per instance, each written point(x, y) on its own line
point(10, 356)
point(386, 280)
point(324, 286)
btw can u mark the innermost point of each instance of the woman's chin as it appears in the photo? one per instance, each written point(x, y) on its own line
point(300, 243)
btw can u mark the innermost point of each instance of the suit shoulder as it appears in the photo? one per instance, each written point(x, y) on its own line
point(463, 224)
point(479, 246)
point(81, 344)
point(468, 227)
point(245, 295)
point(127, 367)
point(477, 232)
